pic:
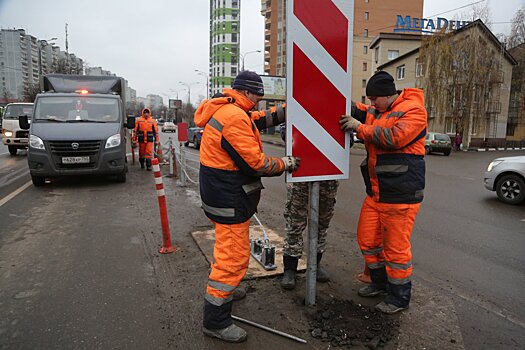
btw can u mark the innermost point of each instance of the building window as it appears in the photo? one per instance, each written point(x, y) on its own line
point(392, 54)
point(363, 83)
point(366, 32)
point(420, 69)
point(365, 49)
point(376, 54)
point(365, 66)
point(449, 125)
point(400, 72)
point(366, 15)
point(234, 38)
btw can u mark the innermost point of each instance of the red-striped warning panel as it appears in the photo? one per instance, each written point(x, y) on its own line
point(319, 65)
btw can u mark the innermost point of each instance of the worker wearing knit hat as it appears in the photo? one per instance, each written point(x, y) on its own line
point(381, 84)
point(249, 81)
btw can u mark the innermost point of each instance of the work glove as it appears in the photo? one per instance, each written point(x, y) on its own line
point(291, 163)
point(348, 123)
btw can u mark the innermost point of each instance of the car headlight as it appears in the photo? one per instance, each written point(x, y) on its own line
point(113, 141)
point(493, 164)
point(8, 133)
point(36, 142)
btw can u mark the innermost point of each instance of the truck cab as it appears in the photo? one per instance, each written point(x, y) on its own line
point(12, 135)
point(78, 128)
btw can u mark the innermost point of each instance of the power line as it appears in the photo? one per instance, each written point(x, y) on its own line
point(472, 3)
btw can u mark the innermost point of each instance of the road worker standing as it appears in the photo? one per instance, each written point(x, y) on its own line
point(231, 165)
point(146, 132)
point(393, 129)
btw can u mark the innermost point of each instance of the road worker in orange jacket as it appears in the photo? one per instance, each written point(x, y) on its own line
point(146, 132)
point(393, 129)
point(232, 163)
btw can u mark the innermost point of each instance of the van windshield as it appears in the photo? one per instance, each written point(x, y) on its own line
point(77, 109)
point(15, 111)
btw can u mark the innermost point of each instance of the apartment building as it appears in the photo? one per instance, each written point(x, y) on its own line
point(371, 17)
point(24, 58)
point(224, 43)
point(467, 89)
point(516, 121)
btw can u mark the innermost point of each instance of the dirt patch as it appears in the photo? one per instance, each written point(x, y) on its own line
point(347, 324)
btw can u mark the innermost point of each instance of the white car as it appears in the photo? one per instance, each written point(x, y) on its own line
point(169, 126)
point(506, 176)
point(12, 136)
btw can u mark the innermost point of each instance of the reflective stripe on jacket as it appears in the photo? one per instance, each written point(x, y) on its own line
point(146, 129)
point(231, 157)
point(394, 170)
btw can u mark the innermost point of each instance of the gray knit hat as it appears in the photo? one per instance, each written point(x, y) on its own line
point(249, 81)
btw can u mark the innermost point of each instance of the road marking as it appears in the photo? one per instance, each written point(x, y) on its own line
point(522, 220)
point(14, 193)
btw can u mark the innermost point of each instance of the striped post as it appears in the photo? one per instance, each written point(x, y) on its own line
point(167, 247)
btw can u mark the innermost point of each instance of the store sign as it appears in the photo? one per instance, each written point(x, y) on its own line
point(426, 25)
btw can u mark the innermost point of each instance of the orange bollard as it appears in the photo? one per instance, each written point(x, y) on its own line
point(167, 247)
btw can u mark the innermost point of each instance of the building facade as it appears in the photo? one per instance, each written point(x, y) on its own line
point(466, 76)
point(370, 18)
point(224, 43)
point(516, 121)
point(24, 59)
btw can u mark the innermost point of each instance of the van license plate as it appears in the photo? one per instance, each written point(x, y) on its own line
point(75, 160)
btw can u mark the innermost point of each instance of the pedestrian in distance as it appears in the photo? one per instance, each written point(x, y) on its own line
point(296, 218)
point(232, 163)
point(393, 129)
point(146, 132)
point(457, 141)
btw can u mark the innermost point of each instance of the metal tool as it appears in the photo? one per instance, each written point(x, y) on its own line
point(262, 251)
point(286, 335)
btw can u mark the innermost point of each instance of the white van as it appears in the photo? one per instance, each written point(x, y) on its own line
point(12, 136)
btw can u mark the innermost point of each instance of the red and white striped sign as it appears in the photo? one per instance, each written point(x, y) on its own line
point(319, 66)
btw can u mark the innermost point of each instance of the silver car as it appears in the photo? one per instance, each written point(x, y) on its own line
point(506, 176)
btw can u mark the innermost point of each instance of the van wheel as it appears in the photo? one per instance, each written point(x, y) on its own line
point(38, 180)
point(12, 150)
point(121, 177)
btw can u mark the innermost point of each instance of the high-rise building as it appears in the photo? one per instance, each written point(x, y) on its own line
point(370, 18)
point(224, 43)
point(24, 58)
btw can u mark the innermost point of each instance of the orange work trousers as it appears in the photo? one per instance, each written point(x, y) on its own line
point(146, 150)
point(383, 234)
point(231, 256)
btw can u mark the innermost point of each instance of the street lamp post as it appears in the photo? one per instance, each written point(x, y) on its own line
point(243, 56)
point(207, 82)
point(188, 85)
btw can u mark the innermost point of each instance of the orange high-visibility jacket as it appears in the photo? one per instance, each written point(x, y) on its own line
point(232, 158)
point(394, 169)
point(146, 129)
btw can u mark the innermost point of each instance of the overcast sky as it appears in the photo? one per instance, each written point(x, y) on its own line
point(154, 44)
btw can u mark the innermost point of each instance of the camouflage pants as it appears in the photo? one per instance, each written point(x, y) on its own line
point(296, 215)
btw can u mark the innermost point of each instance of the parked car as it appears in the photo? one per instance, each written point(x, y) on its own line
point(194, 136)
point(436, 142)
point(506, 176)
point(169, 127)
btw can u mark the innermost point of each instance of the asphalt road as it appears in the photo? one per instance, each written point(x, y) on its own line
point(58, 266)
point(466, 243)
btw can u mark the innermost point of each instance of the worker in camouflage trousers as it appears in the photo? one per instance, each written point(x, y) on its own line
point(296, 217)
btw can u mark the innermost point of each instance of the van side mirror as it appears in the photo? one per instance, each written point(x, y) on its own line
point(23, 122)
point(130, 123)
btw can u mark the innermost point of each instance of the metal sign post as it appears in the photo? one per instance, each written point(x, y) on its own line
point(313, 229)
point(182, 166)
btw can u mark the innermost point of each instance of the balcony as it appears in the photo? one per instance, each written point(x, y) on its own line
point(496, 76)
point(493, 107)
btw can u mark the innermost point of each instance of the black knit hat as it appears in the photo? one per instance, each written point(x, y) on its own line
point(249, 81)
point(381, 84)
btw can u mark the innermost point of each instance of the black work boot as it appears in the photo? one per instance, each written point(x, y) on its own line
point(141, 161)
point(378, 285)
point(148, 164)
point(322, 274)
point(398, 298)
point(290, 270)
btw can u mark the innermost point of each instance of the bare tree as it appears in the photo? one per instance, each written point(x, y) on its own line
point(517, 30)
point(29, 92)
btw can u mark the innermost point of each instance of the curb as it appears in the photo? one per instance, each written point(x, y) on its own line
point(490, 149)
